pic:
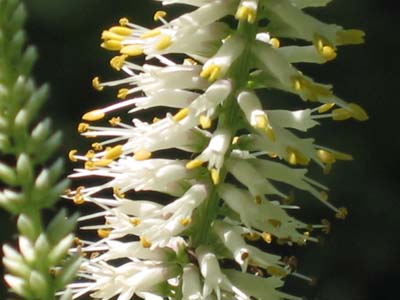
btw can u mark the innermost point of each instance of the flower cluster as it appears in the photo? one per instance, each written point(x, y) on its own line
point(171, 223)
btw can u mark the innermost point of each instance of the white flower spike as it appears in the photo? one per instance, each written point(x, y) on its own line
point(180, 227)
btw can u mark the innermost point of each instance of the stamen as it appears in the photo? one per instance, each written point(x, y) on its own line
point(112, 45)
point(121, 30)
point(275, 43)
point(114, 121)
point(160, 14)
point(118, 61)
point(185, 221)
point(113, 153)
point(135, 221)
point(211, 72)
point(96, 84)
point(205, 121)
point(342, 213)
point(123, 21)
point(94, 115)
point(142, 154)
point(71, 155)
point(117, 192)
point(325, 107)
point(267, 237)
point(132, 50)
point(97, 146)
point(151, 33)
point(180, 115)
point(215, 176)
point(276, 271)
point(103, 233)
point(144, 242)
point(195, 163)
point(82, 127)
point(164, 42)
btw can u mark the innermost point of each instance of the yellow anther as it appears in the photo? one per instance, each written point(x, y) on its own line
point(103, 233)
point(145, 242)
point(235, 140)
point(150, 33)
point(358, 112)
point(134, 221)
point(93, 255)
point(342, 213)
point(270, 133)
point(303, 240)
point(113, 153)
point(117, 192)
point(118, 61)
point(326, 157)
point(132, 50)
point(159, 15)
point(77, 241)
point(96, 84)
point(215, 176)
point(97, 146)
point(251, 236)
point(297, 86)
point(327, 226)
point(114, 121)
point(246, 14)
point(275, 43)
point(276, 271)
point(189, 61)
point(195, 163)
point(121, 30)
point(275, 223)
point(212, 72)
point(205, 121)
point(180, 115)
point(89, 165)
point(261, 121)
point(90, 154)
point(155, 120)
point(185, 221)
point(71, 155)
point(82, 127)
point(272, 154)
point(267, 237)
point(342, 156)
point(164, 42)
point(94, 115)
point(122, 93)
point(102, 162)
point(325, 107)
point(258, 199)
point(289, 199)
point(328, 52)
point(142, 154)
point(123, 21)
point(295, 157)
point(350, 36)
point(78, 199)
point(108, 35)
point(112, 45)
point(324, 196)
point(341, 114)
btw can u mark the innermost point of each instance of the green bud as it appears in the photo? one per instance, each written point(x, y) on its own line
point(7, 175)
point(42, 247)
point(60, 226)
point(38, 285)
point(68, 271)
point(27, 60)
point(60, 250)
point(26, 227)
point(17, 268)
point(24, 168)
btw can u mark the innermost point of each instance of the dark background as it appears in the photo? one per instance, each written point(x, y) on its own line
point(359, 260)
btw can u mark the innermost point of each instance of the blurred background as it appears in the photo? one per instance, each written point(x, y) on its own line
point(359, 260)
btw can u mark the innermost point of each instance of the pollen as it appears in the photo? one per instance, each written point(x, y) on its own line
point(164, 42)
point(135, 221)
point(114, 121)
point(145, 242)
point(267, 237)
point(82, 127)
point(325, 107)
point(118, 61)
point(326, 157)
point(205, 121)
point(117, 192)
point(132, 50)
point(113, 153)
point(342, 213)
point(103, 233)
point(112, 45)
point(185, 221)
point(212, 72)
point(142, 154)
point(97, 146)
point(328, 53)
point(275, 43)
point(96, 84)
point(71, 155)
point(215, 176)
point(123, 21)
point(195, 163)
point(94, 115)
point(180, 115)
point(89, 165)
point(78, 199)
point(121, 30)
point(245, 13)
point(122, 93)
point(158, 15)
